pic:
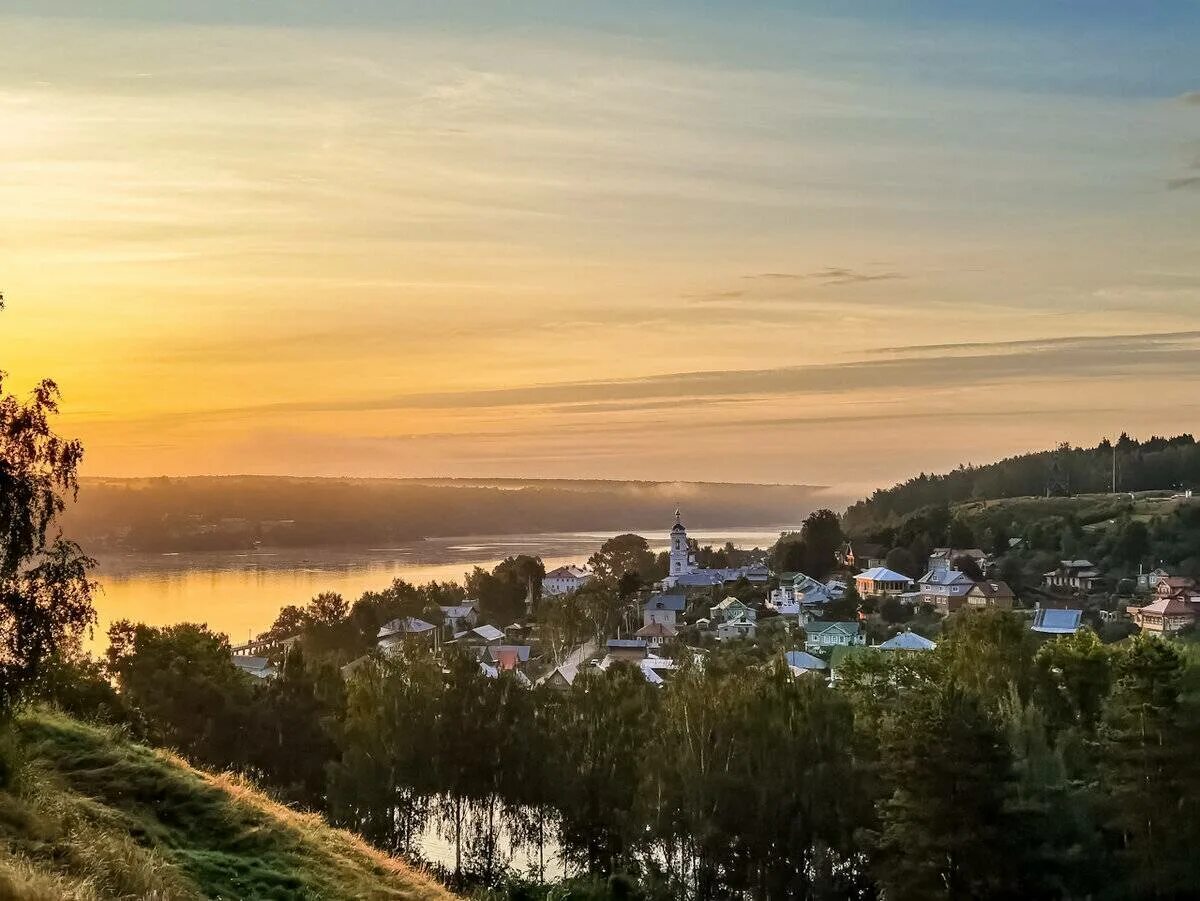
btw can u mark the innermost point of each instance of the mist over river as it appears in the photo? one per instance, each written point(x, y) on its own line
point(239, 593)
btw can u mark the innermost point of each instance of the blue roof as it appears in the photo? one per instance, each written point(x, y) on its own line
point(803, 660)
point(945, 577)
point(676, 602)
point(908, 641)
point(1057, 622)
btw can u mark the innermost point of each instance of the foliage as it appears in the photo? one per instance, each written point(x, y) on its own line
point(45, 588)
point(624, 554)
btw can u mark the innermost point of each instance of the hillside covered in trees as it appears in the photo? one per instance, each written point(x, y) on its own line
point(1157, 464)
point(240, 512)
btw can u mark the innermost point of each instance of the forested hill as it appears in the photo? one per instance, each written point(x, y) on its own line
point(1157, 464)
point(233, 513)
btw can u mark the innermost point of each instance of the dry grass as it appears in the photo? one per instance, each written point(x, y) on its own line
point(94, 816)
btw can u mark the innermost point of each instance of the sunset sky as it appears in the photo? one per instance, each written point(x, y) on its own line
point(797, 242)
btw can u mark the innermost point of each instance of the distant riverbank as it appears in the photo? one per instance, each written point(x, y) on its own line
point(239, 593)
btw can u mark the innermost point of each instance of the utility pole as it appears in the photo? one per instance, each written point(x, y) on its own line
point(1114, 469)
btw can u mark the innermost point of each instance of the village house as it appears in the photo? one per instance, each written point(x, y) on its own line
point(628, 650)
point(944, 589)
point(990, 593)
point(1165, 616)
point(1149, 581)
point(564, 580)
point(862, 555)
point(664, 608)
point(880, 581)
point(1180, 587)
point(1075, 576)
point(507, 656)
point(258, 667)
point(732, 610)
point(797, 590)
point(802, 663)
point(656, 634)
point(562, 678)
point(487, 634)
point(944, 558)
point(822, 636)
point(908, 640)
point(736, 628)
point(460, 616)
point(396, 632)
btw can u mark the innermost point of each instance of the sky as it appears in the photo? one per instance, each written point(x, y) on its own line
point(822, 243)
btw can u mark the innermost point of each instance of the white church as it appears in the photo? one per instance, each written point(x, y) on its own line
point(683, 572)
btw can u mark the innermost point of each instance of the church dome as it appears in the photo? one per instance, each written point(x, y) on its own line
point(678, 527)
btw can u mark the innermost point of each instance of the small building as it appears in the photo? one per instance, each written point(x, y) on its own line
point(798, 590)
point(1181, 587)
point(737, 628)
point(663, 608)
point(731, 610)
point(1052, 621)
point(629, 650)
point(258, 667)
point(943, 558)
point(1075, 576)
point(507, 656)
point(564, 580)
point(879, 581)
point(944, 589)
point(862, 555)
point(1149, 581)
point(803, 663)
point(656, 634)
point(1165, 616)
point(990, 593)
point(405, 629)
point(562, 678)
point(908, 640)
point(821, 636)
point(458, 617)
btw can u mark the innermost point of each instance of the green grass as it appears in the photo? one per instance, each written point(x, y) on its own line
point(91, 815)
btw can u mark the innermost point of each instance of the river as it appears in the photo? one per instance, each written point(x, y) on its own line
point(241, 593)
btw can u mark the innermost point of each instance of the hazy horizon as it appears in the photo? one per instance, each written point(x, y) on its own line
point(805, 243)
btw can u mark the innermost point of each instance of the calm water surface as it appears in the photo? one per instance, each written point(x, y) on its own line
point(240, 593)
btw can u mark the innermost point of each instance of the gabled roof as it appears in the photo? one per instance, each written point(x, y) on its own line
point(908, 641)
point(569, 571)
point(883, 574)
point(502, 652)
point(945, 578)
point(1056, 622)
point(804, 660)
point(259, 667)
point(728, 604)
point(818, 628)
point(992, 589)
point(1169, 607)
point(405, 625)
point(457, 612)
point(487, 632)
point(626, 643)
point(666, 601)
point(656, 630)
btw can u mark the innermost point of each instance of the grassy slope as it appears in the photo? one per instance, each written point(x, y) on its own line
point(93, 816)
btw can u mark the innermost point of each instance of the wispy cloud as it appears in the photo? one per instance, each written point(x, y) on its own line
point(833, 275)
